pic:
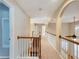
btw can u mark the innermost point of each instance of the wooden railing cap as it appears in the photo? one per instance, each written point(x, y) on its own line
point(66, 38)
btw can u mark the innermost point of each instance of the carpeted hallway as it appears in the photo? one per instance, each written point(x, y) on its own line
point(47, 50)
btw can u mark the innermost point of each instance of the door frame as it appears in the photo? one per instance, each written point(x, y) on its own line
point(11, 20)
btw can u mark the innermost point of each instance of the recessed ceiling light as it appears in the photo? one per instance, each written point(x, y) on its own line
point(40, 9)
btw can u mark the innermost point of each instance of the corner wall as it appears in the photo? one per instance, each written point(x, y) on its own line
point(51, 28)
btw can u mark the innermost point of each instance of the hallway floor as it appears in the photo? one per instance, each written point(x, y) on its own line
point(48, 51)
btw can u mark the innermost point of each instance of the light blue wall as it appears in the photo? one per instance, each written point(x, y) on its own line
point(4, 13)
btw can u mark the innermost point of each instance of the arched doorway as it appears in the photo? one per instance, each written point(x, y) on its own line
point(70, 21)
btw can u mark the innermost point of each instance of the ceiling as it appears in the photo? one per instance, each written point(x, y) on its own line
point(71, 11)
point(45, 9)
point(40, 8)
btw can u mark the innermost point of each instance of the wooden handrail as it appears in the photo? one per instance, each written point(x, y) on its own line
point(23, 37)
point(70, 40)
point(51, 33)
point(36, 44)
point(66, 38)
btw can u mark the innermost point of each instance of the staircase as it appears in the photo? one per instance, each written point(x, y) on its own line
point(44, 48)
point(29, 47)
point(47, 51)
point(69, 48)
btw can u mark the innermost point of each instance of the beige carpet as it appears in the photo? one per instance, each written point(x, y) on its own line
point(47, 50)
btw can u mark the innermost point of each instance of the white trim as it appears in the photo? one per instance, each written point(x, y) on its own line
point(4, 56)
point(12, 32)
point(27, 57)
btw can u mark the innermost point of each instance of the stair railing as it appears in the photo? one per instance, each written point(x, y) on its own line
point(29, 47)
point(69, 48)
point(51, 38)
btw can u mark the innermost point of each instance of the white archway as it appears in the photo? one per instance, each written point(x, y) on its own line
point(60, 14)
point(59, 20)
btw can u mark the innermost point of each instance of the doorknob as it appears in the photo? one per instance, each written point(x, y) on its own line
point(9, 39)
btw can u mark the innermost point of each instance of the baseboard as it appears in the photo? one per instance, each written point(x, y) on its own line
point(27, 57)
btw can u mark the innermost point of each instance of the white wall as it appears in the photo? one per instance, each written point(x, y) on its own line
point(21, 25)
point(67, 29)
point(51, 28)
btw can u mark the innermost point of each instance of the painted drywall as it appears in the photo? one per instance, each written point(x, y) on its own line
point(51, 28)
point(21, 27)
point(65, 29)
